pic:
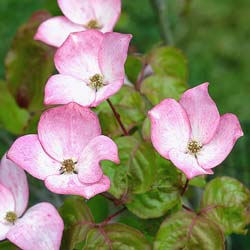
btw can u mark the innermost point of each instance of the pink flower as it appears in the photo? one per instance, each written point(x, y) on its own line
point(67, 151)
point(91, 67)
point(79, 16)
point(191, 133)
point(40, 227)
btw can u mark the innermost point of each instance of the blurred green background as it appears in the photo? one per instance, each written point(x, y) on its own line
point(215, 37)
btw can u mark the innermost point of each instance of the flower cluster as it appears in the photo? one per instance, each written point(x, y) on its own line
point(68, 147)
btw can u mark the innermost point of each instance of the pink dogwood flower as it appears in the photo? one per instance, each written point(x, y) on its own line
point(40, 227)
point(191, 133)
point(91, 67)
point(67, 151)
point(80, 15)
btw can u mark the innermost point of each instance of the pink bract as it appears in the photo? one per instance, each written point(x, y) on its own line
point(91, 67)
point(40, 227)
point(67, 151)
point(191, 133)
point(79, 16)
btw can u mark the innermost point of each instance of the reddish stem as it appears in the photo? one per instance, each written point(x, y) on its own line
point(187, 208)
point(112, 216)
point(118, 118)
point(140, 78)
point(184, 189)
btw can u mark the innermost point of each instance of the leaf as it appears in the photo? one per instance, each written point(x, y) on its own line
point(130, 106)
point(137, 168)
point(78, 221)
point(226, 201)
point(198, 181)
point(148, 227)
point(186, 230)
point(12, 118)
point(6, 245)
point(133, 67)
point(116, 237)
point(29, 64)
point(158, 87)
point(146, 130)
point(163, 195)
point(169, 61)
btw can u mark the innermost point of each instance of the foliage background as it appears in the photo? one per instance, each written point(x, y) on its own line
point(214, 36)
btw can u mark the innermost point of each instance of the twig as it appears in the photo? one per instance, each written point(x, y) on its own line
point(160, 7)
point(112, 216)
point(118, 118)
point(184, 189)
point(187, 208)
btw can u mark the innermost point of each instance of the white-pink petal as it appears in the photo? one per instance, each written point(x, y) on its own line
point(107, 13)
point(7, 202)
point(106, 91)
point(64, 131)
point(113, 54)
point(40, 228)
point(70, 184)
point(78, 11)
point(55, 30)
point(14, 178)
point(28, 153)
point(62, 89)
point(4, 229)
point(99, 148)
point(169, 127)
point(78, 56)
point(202, 113)
point(187, 164)
point(226, 135)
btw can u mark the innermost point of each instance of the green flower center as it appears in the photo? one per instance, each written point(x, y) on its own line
point(96, 82)
point(68, 166)
point(194, 147)
point(93, 24)
point(11, 217)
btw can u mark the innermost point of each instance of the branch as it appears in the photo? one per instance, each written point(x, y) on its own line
point(118, 118)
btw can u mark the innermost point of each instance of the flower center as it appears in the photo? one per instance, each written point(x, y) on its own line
point(68, 166)
point(194, 147)
point(93, 24)
point(11, 217)
point(96, 82)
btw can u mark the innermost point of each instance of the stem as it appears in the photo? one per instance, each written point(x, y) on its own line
point(160, 7)
point(140, 78)
point(112, 216)
point(187, 208)
point(118, 118)
point(185, 187)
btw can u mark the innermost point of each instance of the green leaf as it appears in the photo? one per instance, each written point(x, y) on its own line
point(226, 201)
point(78, 220)
point(99, 208)
point(137, 168)
point(130, 106)
point(29, 64)
point(6, 245)
point(168, 61)
point(163, 196)
point(133, 67)
point(186, 230)
point(148, 227)
point(146, 130)
point(198, 181)
point(116, 237)
point(12, 118)
point(159, 87)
